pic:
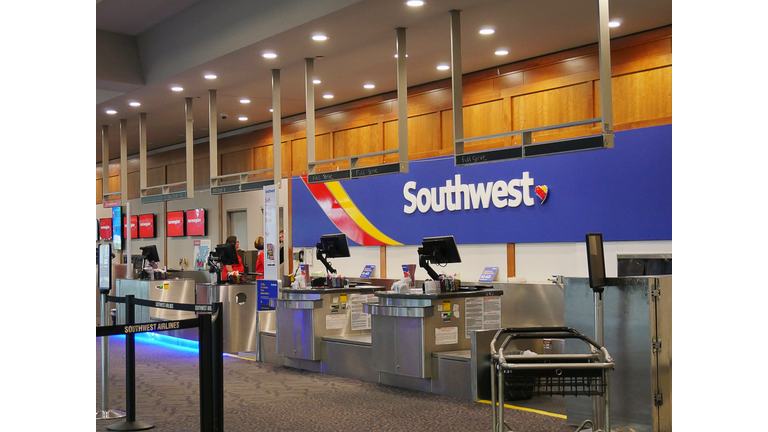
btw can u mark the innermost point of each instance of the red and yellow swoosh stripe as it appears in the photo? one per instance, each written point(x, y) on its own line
point(342, 211)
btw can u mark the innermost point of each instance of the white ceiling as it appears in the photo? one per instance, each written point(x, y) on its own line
point(146, 46)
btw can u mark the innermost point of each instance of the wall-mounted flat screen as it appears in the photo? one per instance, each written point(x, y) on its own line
point(147, 225)
point(105, 229)
point(134, 228)
point(196, 224)
point(175, 224)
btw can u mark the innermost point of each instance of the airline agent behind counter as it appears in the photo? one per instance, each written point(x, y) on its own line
point(259, 245)
point(235, 267)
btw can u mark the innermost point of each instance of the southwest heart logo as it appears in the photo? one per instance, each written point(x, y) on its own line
point(542, 191)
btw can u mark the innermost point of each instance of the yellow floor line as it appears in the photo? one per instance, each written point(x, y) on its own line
point(242, 358)
point(528, 409)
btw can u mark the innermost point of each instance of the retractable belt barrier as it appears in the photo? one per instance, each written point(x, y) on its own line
point(209, 324)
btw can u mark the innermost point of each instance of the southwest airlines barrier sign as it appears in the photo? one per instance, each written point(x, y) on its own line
point(624, 192)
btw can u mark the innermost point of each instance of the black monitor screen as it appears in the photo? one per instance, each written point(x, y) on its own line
point(150, 253)
point(227, 254)
point(334, 245)
point(595, 260)
point(440, 250)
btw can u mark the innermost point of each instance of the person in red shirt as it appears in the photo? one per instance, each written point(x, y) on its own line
point(235, 267)
point(259, 245)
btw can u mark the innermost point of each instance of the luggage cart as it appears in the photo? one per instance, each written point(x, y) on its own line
point(552, 374)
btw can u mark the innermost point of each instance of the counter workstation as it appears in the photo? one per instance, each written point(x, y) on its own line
point(428, 342)
point(321, 329)
point(239, 302)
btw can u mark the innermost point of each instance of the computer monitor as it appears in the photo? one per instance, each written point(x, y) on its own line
point(227, 254)
point(149, 253)
point(437, 250)
point(334, 245)
point(595, 260)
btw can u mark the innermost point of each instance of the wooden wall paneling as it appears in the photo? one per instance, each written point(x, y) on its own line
point(424, 133)
point(156, 176)
point(236, 161)
point(176, 172)
point(134, 185)
point(299, 156)
point(99, 191)
point(560, 105)
point(511, 270)
point(383, 262)
point(484, 119)
point(202, 172)
point(641, 96)
point(114, 186)
point(324, 151)
point(263, 158)
point(285, 159)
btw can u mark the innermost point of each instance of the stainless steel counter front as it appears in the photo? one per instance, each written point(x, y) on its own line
point(408, 328)
point(167, 290)
point(306, 316)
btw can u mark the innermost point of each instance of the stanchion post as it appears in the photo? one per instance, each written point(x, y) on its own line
point(218, 368)
point(206, 375)
point(130, 423)
point(104, 284)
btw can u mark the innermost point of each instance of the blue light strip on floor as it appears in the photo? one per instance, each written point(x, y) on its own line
point(171, 342)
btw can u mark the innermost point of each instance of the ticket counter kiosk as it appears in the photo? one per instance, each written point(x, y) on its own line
point(305, 317)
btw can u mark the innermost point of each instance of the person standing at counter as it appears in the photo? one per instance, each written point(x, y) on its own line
point(235, 267)
point(259, 245)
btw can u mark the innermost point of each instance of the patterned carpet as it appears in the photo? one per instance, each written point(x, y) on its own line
point(264, 397)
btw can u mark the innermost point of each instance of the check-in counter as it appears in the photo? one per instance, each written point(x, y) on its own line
point(307, 318)
point(240, 308)
point(166, 290)
point(239, 304)
point(408, 329)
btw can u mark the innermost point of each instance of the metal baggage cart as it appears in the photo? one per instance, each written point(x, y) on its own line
point(551, 374)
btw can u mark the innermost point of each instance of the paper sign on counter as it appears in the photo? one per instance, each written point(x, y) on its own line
point(446, 335)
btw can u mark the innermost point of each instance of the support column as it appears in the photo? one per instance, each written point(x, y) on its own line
point(309, 72)
point(190, 150)
point(604, 47)
point(213, 141)
point(104, 160)
point(402, 96)
point(456, 84)
point(142, 151)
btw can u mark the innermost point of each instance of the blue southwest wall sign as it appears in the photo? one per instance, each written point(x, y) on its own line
point(624, 192)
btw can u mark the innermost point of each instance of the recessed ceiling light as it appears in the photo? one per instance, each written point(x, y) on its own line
point(177, 88)
point(209, 76)
point(405, 55)
point(243, 118)
point(415, 3)
point(271, 110)
point(501, 52)
point(269, 55)
point(369, 86)
point(111, 111)
point(134, 104)
point(487, 31)
point(443, 67)
point(245, 101)
point(319, 37)
point(614, 24)
point(328, 96)
point(315, 81)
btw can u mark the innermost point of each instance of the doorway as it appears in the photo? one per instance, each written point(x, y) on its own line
point(237, 225)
